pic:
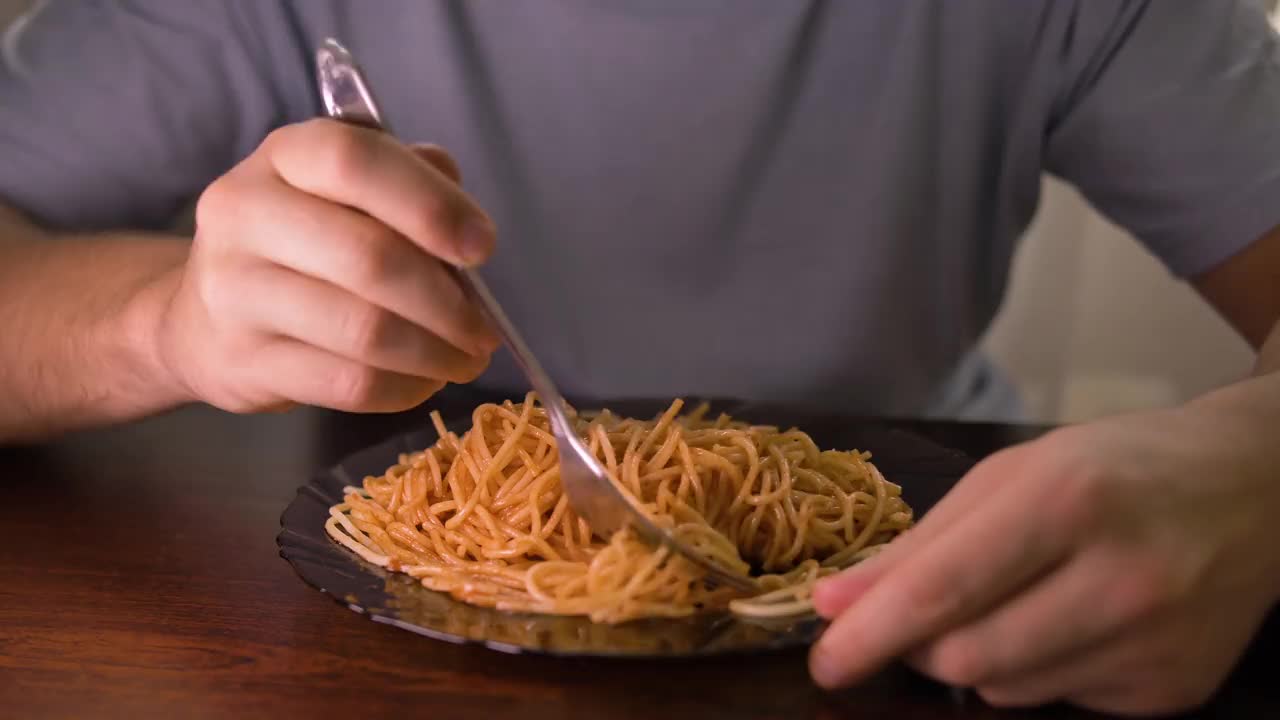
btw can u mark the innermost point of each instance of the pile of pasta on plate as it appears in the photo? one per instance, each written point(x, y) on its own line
point(482, 516)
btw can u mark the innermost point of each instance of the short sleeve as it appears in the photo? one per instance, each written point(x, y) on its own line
point(115, 114)
point(1168, 122)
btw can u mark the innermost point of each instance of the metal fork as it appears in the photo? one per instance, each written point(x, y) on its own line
point(592, 494)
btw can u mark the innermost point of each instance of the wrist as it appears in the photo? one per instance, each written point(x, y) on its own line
point(1237, 424)
point(142, 326)
point(1253, 403)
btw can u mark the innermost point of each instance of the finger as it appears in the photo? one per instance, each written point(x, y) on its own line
point(278, 301)
point(371, 171)
point(1143, 698)
point(1089, 671)
point(440, 159)
point(994, 550)
point(310, 376)
point(1100, 594)
point(1038, 628)
point(365, 257)
point(1086, 675)
point(1094, 596)
point(833, 595)
point(1169, 661)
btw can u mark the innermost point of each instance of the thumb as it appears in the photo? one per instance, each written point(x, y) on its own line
point(439, 159)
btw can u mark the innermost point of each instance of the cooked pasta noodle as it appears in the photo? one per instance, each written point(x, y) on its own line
point(483, 518)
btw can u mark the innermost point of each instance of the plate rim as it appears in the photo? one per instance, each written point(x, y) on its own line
point(323, 489)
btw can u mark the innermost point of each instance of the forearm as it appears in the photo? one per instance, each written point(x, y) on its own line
point(78, 317)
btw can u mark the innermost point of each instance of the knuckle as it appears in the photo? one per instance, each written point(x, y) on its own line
point(1075, 510)
point(928, 600)
point(366, 329)
point(369, 258)
point(1078, 496)
point(313, 131)
point(286, 134)
point(341, 152)
point(1143, 589)
point(217, 202)
point(442, 160)
point(960, 662)
point(355, 387)
point(238, 404)
point(216, 291)
point(276, 138)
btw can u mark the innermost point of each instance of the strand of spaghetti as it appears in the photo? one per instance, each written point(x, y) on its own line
point(661, 427)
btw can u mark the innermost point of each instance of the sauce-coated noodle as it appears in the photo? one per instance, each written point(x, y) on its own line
point(482, 516)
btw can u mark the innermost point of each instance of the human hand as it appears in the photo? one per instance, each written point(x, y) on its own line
point(319, 276)
point(1120, 565)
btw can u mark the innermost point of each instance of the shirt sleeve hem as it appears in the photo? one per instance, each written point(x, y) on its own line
point(1199, 247)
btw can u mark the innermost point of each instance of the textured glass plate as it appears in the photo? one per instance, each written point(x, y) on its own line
point(924, 469)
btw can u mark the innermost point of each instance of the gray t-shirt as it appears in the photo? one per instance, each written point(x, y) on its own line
point(811, 202)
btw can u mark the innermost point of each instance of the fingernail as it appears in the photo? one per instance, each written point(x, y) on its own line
point(476, 240)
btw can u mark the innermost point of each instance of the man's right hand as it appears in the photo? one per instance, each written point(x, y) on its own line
point(319, 276)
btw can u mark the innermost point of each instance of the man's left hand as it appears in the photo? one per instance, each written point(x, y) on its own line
point(1121, 565)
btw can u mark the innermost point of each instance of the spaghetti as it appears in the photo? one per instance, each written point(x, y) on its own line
point(483, 518)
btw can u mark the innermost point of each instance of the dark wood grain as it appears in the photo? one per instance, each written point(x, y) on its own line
point(141, 579)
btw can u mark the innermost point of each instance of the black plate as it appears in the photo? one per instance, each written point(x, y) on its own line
point(924, 469)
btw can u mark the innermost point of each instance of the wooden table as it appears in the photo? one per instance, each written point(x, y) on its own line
point(142, 580)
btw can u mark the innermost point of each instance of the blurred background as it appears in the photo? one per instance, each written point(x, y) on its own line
point(1092, 324)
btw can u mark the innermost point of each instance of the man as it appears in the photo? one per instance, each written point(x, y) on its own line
point(813, 202)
